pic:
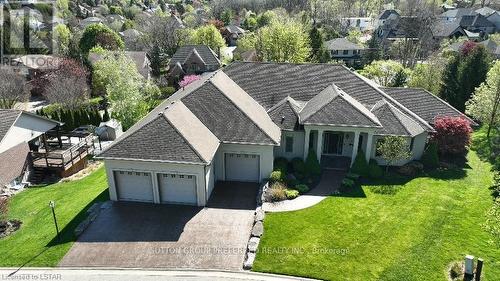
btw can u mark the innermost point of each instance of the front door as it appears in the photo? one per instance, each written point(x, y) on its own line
point(333, 143)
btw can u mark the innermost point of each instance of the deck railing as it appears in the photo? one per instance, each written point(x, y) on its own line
point(66, 158)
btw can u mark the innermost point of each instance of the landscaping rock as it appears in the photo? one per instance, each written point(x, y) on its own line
point(253, 244)
point(94, 208)
point(248, 264)
point(259, 215)
point(258, 229)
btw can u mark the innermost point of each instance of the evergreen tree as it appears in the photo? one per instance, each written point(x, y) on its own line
point(319, 52)
point(155, 60)
point(105, 117)
point(373, 52)
point(463, 74)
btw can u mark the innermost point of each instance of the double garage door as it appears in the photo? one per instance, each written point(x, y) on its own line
point(172, 188)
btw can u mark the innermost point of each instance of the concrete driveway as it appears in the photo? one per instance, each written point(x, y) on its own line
point(170, 236)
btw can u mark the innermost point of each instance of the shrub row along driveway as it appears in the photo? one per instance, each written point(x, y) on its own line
point(413, 234)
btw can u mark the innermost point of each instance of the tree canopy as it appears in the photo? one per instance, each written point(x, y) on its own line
point(99, 35)
point(387, 73)
point(208, 35)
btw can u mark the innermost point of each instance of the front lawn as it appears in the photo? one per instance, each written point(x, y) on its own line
point(413, 234)
point(35, 243)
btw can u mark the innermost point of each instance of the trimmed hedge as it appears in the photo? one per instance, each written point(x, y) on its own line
point(276, 176)
point(360, 166)
point(313, 168)
point(430, 158)
point(302, 188)
point(374, 170)
point(281, 164)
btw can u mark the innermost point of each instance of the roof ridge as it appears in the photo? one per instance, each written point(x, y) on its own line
point(331, 98)
point(372, 118)
point(392, 109)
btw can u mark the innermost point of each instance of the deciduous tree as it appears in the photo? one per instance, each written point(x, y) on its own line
point(452, 135)
point(13, 88)
point(393, 149)
point(208, 35)
point(100, 35)
point(387, 73)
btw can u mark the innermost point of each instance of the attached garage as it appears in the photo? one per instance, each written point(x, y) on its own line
point(134, 186)
point(177, 189)
point(242, 167)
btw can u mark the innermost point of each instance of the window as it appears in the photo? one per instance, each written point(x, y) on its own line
point(289, 144)
point(345, 52)
point(411, 143)
point(335, 52)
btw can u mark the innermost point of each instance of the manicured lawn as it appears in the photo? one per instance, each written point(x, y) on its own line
point(411, 235)
point(35, 243)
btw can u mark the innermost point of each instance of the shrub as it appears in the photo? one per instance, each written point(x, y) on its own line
point(277, 192)
point(495, 188)
point(360, 165)
point(276, 176)
point(313, 168)
point(291, 194)
point(302, 188)
point(291, 181)
point(167, 91)
point(374, 170)
point(492, 224)
point(346, 182)
point(430, 158)
point(354, 176)
point(3, 209)
point(452, 135)
point(281, 164)
point(298, 165)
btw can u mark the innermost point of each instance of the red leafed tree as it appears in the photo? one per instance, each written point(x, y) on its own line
point(452, 135)
point(188, 79)
point(468, 47)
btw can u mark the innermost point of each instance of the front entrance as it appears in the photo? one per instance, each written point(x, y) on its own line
point(333, 143)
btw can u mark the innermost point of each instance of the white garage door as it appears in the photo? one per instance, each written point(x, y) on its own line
point(176, 188)
point(134, 186)
point(242, 167)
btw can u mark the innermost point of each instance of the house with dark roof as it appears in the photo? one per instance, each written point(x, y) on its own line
point(231, 124)
point(344, 50)
point(387, 16)
point(232, 33)
point(491, 46)
point(192, 59)
point(19, 130)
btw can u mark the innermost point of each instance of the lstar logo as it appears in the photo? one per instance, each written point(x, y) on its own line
point(27, 28)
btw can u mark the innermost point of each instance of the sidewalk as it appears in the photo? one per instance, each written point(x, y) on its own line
point(113, 274)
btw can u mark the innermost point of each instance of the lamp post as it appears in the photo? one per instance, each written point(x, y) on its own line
point(52, 205)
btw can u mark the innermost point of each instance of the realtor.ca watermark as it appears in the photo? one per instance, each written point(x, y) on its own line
point(31, 276)
point(27, 38)
point(205, 250)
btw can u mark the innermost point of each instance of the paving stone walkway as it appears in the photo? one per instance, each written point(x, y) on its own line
point(330, 181)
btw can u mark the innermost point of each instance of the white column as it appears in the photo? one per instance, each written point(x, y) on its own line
point(319, 148)
point(355, 147)
point(369, 145)
point(306, 142)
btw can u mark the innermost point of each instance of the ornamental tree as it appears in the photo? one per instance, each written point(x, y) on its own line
point(13, 88)
point(386, 73)
point(208, 35)
point(393, 149)
point(453, 135)
point(484, 104)
point(188, 79)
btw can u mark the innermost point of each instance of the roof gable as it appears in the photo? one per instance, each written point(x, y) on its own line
point(334, 107)
point(7, 119)
point(285, 114)
point(157, 140)
point(204, 52)
point(394, 121)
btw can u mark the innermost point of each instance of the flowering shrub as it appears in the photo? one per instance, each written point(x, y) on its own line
point(453, 135)
point(188, 79)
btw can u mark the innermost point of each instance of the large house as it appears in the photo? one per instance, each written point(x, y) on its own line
point(231, 124)
point(344, 50)
point(192, 59)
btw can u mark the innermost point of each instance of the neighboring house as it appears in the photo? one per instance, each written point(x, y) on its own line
point(483, 20)
point(232, 33)
point(363, 24)
point(495, 19)
point(230, 125)
point(32, 65)
point(133, 39)
point(477, 24)
point(139, 58)
point(443, 29)
point(19, 130)
point(457, 14)
point(90, 20)
point(387, 16)
point(192, 59)
point(344, 50)
point(491, 46)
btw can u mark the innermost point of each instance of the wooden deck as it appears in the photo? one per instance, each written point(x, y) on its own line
point(63, 158)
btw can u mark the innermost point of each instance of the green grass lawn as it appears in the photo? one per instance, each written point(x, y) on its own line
point(411, 235)
point(35, 243)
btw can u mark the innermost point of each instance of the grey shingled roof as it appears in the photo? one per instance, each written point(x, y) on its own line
point(342, 44)
point(424, 104)
point(285, 114)
point(444, 28)
point(12, 163)
point(386, 13)
point(206, 54)
point(394, 121)
point(222, 117)
point(334, 107)
point(157, 140)
point(7, 118)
